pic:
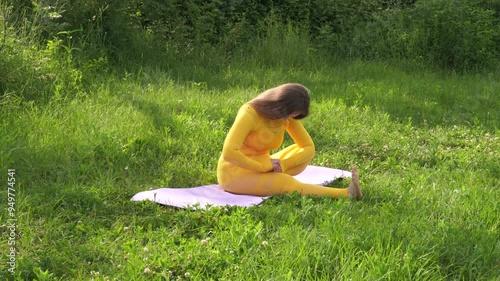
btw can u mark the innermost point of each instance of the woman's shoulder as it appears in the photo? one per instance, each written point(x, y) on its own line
point(247, 108)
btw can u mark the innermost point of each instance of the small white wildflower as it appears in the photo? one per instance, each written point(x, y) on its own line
point(145, 249)
point(264, 243)
point(147, 270)
point(54, 15)
point(94, 273)
point(187, 274)
point(125, 228)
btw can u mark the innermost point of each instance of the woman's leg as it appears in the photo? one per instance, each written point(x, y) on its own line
point(266, 184)
point(289, 152)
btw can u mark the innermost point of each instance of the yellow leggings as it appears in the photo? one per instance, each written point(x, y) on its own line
point(265, 184)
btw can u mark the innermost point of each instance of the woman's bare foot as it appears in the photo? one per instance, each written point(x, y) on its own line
point(354, 191)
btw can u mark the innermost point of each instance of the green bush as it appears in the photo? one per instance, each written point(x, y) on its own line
point(457, 34)
point(280, 45)
point(38, 75)
point(39, 60)
point(453, 34)
point(99, 29)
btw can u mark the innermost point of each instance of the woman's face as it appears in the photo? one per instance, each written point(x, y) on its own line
point(296, 115)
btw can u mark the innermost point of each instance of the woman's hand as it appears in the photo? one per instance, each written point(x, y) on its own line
point(276, 166)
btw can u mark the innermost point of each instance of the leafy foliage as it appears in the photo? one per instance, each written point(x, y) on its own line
point(457, 34)
point(448, 34)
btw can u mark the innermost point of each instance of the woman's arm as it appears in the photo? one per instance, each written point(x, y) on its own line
point(302, 138)
point(242, 126)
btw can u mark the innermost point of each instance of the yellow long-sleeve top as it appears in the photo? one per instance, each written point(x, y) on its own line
point(253, 136)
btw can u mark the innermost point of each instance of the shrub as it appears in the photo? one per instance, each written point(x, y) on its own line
point(33, 69)
point(453, 34)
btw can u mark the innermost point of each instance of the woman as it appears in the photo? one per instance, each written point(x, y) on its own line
point(246, 167)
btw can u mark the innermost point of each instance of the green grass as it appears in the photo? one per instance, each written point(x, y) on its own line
point(426, 145)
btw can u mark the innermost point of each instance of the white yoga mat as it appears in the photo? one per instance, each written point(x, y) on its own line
point(213, 195)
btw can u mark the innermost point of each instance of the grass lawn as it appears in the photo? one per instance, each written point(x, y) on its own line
point(426, 145)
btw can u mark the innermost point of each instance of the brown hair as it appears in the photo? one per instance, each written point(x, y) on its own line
point(282, 101)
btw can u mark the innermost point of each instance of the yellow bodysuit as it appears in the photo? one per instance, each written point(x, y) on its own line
point(245, 164)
